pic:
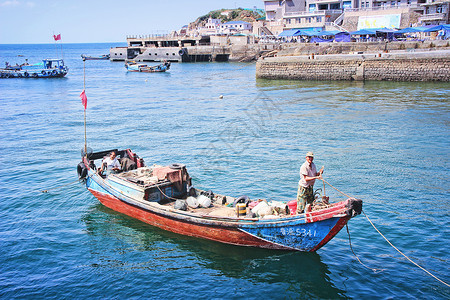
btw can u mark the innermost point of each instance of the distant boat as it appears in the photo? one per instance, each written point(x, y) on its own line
point(48, 68)
point(100, 57)
point(163, 196)
point(135, 67)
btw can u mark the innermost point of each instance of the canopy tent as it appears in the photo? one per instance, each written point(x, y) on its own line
point(289, 32)
point(305, 33)
point(326, 33)
point(364, 32)
point(438, 27)
point(342, 37)
point(316, 39)
point(411, 29)
point(386, 30)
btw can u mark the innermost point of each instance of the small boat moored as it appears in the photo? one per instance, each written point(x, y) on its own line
point(100, 57)
point(163, 196)
point(48, 68)
point(135, 67)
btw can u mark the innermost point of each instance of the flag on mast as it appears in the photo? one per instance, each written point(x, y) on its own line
point(83, 99)
point(57, 37)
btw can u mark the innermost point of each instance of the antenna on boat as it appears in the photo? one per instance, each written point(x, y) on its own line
point(84, 102)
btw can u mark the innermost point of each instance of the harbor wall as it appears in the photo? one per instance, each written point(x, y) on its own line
point(406, 66)
point(239, 48)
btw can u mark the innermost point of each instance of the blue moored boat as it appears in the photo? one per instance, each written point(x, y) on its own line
point(100, 57)
point(48, 68)
point(135, 67)
point(163, 197)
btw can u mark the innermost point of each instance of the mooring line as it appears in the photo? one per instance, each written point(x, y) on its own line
point(59, 186)
point(429, 273)
point(426, 271)
point(351, 248)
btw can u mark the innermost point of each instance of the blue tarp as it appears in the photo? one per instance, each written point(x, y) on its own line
point(326, 33)
point(289, 32)
point(316, 39)
point(411, 29)
point(364, 32)
point(438, 27)
point(386, 30)
point(306, 33)
point(342, 37)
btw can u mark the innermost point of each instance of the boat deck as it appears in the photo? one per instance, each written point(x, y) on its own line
point(221, 206)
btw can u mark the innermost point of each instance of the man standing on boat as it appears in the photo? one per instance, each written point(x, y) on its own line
point(308, 175)
point(110, 164)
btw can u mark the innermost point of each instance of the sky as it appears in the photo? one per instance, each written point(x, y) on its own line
point(97, 21)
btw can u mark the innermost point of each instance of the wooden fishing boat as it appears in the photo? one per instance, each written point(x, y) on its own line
point(135, 67)
point(48, 68)
point(153, 195)
point(100, 57)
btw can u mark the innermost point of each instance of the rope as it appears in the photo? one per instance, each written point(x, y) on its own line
point(337, 189)
point(429, 273)
point(165, 194)
point(59, 186)
point(404, 254)
point(351, 248)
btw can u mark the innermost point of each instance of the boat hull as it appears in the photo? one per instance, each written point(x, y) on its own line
point(304, 232)
point(49, 68)
point(32, 74)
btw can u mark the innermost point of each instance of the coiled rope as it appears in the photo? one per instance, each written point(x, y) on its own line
point(422, 268)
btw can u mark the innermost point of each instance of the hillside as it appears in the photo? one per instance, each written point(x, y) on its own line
point(227, 15)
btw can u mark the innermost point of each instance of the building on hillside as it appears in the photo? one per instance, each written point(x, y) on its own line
point(233, 27)
point(435, 12)
point(350, 15)
point(211, 27)
point(183, 30)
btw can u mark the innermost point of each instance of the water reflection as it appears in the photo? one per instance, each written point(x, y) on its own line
point(116, 240)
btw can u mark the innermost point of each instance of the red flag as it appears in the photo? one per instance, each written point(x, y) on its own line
point(57, 37)
point(83, 99)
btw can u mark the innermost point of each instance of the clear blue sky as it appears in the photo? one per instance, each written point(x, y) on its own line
point(82, 21)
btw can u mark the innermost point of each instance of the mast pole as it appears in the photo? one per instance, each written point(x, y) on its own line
point(84, 89)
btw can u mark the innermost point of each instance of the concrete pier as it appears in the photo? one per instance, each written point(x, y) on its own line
point(395, 66)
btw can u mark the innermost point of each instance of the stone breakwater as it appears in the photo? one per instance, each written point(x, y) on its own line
point(402, 66)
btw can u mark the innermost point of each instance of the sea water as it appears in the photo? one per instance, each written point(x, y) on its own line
point(386, 143)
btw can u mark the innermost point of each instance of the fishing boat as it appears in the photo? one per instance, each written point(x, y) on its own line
point(48, 68)
point(163, 196)
point(135, 67)
point(100, 57)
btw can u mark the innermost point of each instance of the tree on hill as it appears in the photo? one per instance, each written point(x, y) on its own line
point(227, 15)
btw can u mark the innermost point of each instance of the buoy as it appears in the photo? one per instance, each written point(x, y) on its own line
point(241, 209)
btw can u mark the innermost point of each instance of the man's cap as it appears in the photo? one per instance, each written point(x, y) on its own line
point(310, 154)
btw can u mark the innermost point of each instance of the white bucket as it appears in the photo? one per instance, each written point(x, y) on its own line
point(192, 202)
point(261, 205)
point(204, 201)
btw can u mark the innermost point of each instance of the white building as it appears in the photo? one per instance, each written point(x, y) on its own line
point(236, 27)
point(212, 27)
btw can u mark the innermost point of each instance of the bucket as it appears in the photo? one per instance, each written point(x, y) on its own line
point(241, 209)
point(204, 201)
point(292, 206)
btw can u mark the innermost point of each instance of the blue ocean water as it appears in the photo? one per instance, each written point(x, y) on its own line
point(386, 143)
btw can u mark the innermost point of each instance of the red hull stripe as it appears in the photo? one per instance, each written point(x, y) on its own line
point(229, 235)
point(341, 223)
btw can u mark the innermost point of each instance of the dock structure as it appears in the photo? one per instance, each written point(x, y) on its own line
point(155, 48)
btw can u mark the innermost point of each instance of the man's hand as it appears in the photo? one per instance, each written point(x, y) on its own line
point(321, 171)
